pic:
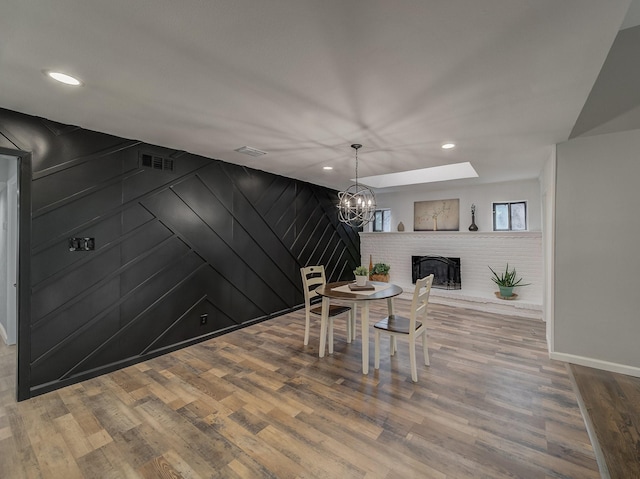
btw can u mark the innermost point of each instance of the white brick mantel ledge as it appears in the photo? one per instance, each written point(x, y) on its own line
point(476, 234)
point(477, 251)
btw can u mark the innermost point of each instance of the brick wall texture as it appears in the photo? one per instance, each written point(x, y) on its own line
point(476, 251)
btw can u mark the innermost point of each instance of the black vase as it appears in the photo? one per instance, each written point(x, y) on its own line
point(473, 226)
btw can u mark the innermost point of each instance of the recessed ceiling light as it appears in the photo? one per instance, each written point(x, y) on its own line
point(63, 78)
point(327, 167)
point(425, 175)
point(448, 146)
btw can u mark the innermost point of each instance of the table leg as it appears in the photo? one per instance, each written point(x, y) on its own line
point(390, 305)
point(324, 319)
point(393, 345)
point(365, 337)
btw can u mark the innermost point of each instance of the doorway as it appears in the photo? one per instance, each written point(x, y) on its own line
point(8, 248)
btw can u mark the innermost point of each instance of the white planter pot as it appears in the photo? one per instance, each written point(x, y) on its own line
point(361, 280)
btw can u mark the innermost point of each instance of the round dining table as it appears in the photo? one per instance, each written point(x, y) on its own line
point(340, 291)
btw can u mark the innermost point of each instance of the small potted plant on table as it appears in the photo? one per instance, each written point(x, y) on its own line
point(506, 282)
point(362, 275)
point(380, 272)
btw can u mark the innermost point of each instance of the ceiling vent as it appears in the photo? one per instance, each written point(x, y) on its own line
point(155, 162)
point(247, 150)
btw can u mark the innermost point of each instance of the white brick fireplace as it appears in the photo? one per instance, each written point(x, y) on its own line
point(477, 251)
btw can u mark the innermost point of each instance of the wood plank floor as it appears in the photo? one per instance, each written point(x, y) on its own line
point(257, 403)
point(612, 402)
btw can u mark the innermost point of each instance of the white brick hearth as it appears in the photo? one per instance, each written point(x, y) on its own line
point(477, 251)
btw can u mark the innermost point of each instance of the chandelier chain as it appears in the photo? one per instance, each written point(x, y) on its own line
point(356, 168)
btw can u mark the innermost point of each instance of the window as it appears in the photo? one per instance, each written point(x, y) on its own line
point(510, 216)
point(382, 220)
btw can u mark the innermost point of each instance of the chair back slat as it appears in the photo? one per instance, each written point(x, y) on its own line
point(312, 277)
point(420, 300)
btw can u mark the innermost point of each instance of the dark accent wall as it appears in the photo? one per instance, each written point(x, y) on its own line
point(208, 237)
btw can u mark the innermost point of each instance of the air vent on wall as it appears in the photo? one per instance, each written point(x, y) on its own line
point(247, 150)
point(156, 162)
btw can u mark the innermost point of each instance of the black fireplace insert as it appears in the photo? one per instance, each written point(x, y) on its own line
point(446, 271)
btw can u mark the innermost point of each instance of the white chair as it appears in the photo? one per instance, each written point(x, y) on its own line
point(312, 278)
point(412, 327)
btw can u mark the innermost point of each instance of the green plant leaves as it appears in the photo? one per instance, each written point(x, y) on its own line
point(380, 268)
point(507, 279)
point(361, 271)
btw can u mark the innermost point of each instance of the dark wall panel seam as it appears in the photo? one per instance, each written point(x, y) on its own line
point(65, 130)
point(344, 265)
point(86, 192)
point(327, 243)
point(12, 141)
point(300, 234)
point(241, 292)
point(83, 159)
point(184, 315)
point(274, 179)
point(283, 191)
point(316, 244)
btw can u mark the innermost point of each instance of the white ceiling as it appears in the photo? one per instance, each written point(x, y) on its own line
point(303, 79)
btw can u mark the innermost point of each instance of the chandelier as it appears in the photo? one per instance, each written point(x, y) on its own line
point(356, 204)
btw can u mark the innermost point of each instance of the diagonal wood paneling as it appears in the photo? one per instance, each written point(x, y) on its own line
point(207, 238)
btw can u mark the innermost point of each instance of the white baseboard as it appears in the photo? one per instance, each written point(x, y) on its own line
point(596, 364)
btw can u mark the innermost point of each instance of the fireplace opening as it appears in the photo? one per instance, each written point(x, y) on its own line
point(446, 271)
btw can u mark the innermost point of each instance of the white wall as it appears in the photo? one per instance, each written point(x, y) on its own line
point(548, 204)
point(597, 259)
point(401, 203)
point(3, 253)
point(8, 239)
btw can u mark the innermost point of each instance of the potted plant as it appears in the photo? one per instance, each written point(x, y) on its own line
point(507, 281)
point(380, 272)
point(362, 275)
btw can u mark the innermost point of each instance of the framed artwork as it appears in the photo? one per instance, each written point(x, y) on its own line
point(438, 215)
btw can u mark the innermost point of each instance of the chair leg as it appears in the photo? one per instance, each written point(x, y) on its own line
point(354, 317)
point(307, 320)
point(324, 326)
point(393, 345)
point(376, 363)
point(330, 334)
point(425, 349)
point(412, 359)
